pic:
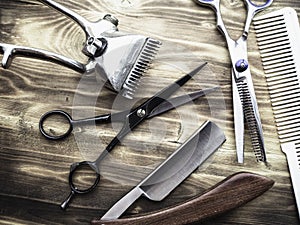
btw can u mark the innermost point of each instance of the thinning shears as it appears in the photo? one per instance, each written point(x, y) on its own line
point(154, 106)
point(244, 99)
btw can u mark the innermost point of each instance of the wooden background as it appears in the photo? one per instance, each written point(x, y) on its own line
point(34, 171)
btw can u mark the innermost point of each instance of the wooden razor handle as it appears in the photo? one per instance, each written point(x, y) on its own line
point(230, 193)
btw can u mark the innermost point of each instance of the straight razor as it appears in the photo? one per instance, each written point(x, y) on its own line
point(166, 177)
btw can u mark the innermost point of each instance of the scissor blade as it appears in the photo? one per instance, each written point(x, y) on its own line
point(251, 114)
point(238, 120)
point(164, 94)
point(179, 101)
point(136, 116)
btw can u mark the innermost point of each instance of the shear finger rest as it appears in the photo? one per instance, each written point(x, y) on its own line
point(74, 189)
point(75, 169)
point(211, 3)
point(51, 124)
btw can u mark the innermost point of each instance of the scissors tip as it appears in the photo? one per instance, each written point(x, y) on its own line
point(240, 156)
point(195, 71)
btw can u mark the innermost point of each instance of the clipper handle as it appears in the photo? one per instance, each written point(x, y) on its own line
point(11, 51)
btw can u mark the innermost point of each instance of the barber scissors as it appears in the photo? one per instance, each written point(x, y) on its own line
point(244, 99)
point(116, 117)
point(155, 105)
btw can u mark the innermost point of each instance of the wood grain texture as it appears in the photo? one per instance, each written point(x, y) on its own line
point(34, 171)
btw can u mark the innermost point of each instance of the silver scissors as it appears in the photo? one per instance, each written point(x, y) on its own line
point(155, 105)
point(244, 99)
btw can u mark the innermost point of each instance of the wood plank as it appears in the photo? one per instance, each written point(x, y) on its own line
point(34, 171)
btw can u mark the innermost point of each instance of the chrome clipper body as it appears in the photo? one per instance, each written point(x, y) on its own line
point(119, 58)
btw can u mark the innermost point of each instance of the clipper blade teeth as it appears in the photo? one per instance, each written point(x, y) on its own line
point(146, 56)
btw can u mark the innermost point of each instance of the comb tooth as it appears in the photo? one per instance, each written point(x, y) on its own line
point(275, 97)
point(289, 66)
point(284, 63)
point(279, 73)
point(271, 37)
point(285, 106)
point(277, 59)
point(268, 42)
point(270, 29)
point(266, 20)
point(140, 67)
point(284, 101)
point(282, 77)
point(282, 88)
point(274, 49)
point(282, 83)
point(289, 131)
point(269, 23)
point(278, 53)
point(285, 115)
point(288, 116)
point(274, 45)
point(293, 134)
point(272, 33)
point(284, 98)
point(287, 125)
point(289, 139)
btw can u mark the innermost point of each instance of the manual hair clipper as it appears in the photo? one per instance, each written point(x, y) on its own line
point(119, 58)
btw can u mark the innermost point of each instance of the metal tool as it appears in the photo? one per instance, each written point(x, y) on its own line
point(229, 194)
point(131, 120)
point(121, 59)
point(188, 157)
point(278, 37)
point(116, 117)
point(244, 99)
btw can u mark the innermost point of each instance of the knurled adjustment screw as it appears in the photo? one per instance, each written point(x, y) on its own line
point(111, 19)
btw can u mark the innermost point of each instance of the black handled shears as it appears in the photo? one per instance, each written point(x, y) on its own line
point(115, 117)
point(155, 105)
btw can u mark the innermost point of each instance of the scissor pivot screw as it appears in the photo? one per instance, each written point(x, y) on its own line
point(241, 65)
point(141, 113)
